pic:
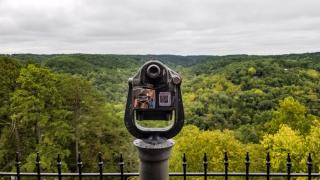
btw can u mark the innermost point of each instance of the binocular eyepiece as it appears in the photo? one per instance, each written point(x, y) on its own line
point(153, 71)
point(154, 94)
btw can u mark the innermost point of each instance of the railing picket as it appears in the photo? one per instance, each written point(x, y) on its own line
point(184, 165)
point(100, 165)
point(38, 166)
point(59, 164)
point(80, 165)
point(226, 164)
point(247, 165)
point(18, 165)
point(205, 165)
point(121, 164)
point(289, 165)
point(309, 164)
point(268, 165)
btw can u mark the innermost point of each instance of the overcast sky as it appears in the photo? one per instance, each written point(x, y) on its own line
point(185, 27)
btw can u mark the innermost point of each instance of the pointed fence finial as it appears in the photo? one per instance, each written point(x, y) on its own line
point(225, 158)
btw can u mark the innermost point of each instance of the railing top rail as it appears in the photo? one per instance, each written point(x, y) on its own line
point(170, 174)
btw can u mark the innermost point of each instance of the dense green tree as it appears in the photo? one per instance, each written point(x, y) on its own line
point(38, 116)
point(9, 72)
point(95, 125)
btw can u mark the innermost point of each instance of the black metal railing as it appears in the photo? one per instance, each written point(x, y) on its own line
point(184, 174)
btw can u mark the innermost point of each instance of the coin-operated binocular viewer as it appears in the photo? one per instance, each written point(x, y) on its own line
point(154, 95)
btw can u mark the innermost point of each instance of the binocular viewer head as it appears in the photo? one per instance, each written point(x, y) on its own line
point(154, 94)
point(155, 74)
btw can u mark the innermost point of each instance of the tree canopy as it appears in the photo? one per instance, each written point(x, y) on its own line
point(74, 103)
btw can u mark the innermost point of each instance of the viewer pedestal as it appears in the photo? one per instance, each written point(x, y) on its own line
point(154, 157)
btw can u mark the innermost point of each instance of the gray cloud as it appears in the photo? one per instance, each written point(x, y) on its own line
point(160, 27)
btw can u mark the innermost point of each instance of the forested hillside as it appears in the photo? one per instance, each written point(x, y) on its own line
point(75, 102)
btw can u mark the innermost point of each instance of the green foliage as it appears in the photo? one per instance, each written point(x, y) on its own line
point(247, 134)
point(74, 103)
point(283, 142)
point(37, 114)
point(9, 72)
point(313, 144)
point(292, 113)
point(194, 143)
point(54, 114)
point(244, 91)
point(252, 71)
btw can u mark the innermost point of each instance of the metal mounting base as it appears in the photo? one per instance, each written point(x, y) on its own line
point(154, 157)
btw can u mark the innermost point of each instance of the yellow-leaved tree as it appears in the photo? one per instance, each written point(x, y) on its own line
point(313, 145)
point(292, 113)
point(195, 142)
point(285, 141)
